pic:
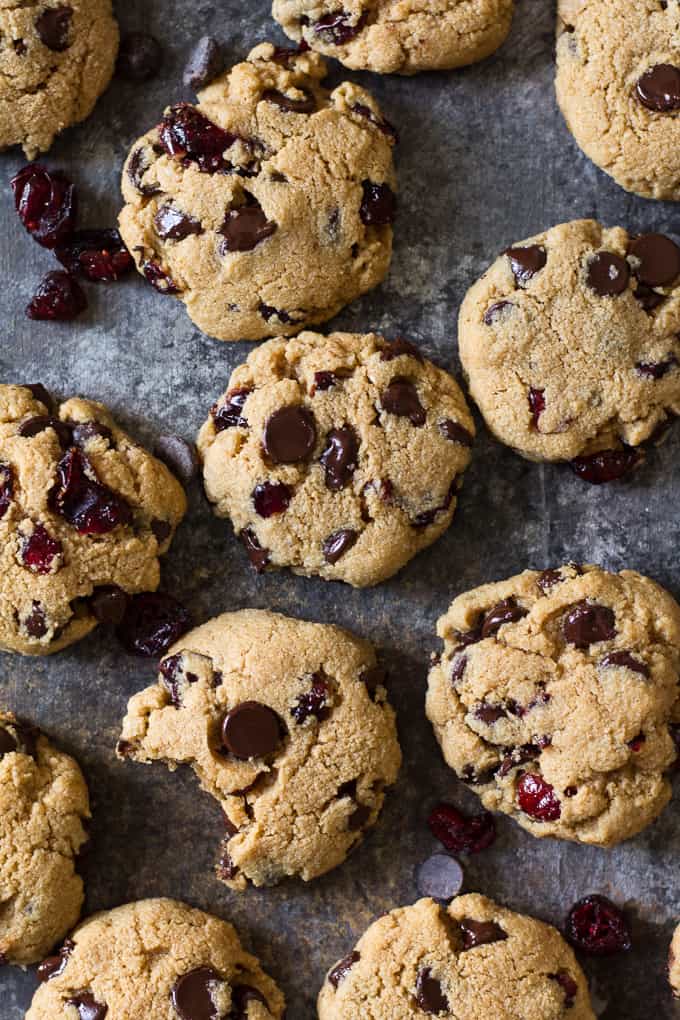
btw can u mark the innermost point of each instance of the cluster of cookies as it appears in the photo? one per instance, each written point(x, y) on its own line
point(265, 208)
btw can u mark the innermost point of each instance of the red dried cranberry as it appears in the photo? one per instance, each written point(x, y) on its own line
point(337, 29)
point(378, 205)
point(536, 404)
point(59, 298)
point(596, 926)
point(39, 550)
point(152, 622)
point(98, 255)
point(606, 466)
point(46, 203)
point(537, 798)
point(568, 985)
point(158, 278)
point(81, 499)
point(462, 833)
point(6, 488)
point(312, 702)
point(187, 135)
point(271, 498)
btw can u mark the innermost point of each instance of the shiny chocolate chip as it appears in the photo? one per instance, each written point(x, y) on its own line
point(339, 457)
point(40, 423)
point(607, 274)
point(342, 969)
point(337, 544)
point(480, 933)
point(378, 204)
point(625, 660)
point(191, 994)
point(258, 556)
point(245, 227)
point(659, 88)
point(53, 27)
point(526, 262)
point(506, 611)
point(429, 995)
point(656, 259)
point(174, 225)
point(588, 623)
point(397, 348)
point(55, 965)
point(289, 435)
point(251, 730)
point(455, 432)
point(307, 104)
point(497, 311)
point(87, 1006)
point(401, 399)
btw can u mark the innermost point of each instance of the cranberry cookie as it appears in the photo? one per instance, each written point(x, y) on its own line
point(156, 959)
point(269, 205)
point(398, 36)
point(471, 960)
point(44, 808)
point(56, 59)
point(85, 514)
point(556, 697)
point(287, 725)
point(340, 456)
point(618, 84)
point(570, 345)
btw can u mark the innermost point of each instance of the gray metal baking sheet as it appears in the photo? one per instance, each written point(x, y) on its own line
point(484, 160)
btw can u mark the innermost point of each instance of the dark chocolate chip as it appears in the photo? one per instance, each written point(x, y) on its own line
point(607, 274)
point(507, 611)
point(191, 994)
point(657, 259)
point(339, 457)
point(53, 966)
point(84, 431)
point(179, 456)
point(337, 544)
point(648, 298)
point(245, 227)
point(401, 399)
point(288, 104)
point(53, 27)
point(289, 435)
point(480, 933)
point(40, 393)
point(626, 661)
point(313, 702)
point(440, 877)
point(458, 668)
point(258, 556)
point(429, 995)
point(34, 426)
point(659, 88)
point(241, 995)
point(108, 604)
point(174, 225)
point(382, 125)
point(342, 969)
point(397, 348)
point(87, 1006)
point(230, 414)
point(204, 64)
point(526, 262)
point(656, 369)
point(251, 730)
point(496, 312)
point(455, 432)
point(588, 623)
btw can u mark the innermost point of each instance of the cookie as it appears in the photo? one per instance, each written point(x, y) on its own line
point(618, 85)
point(472, 960)
point(44, 809)
point(56, 59)
point(570, 346)
point(85, 514)
point(674, 964)
point(287, 725)
point(556, 698)
point(398, 36)
point(154, 959)
point(340, 456)
point(269, 205)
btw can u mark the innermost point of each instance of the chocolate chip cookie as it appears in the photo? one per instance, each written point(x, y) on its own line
point(398, 36)
point(674, 964)
point(269, 205)
point(340, 456)
point(85, 514)
point(470, 960)
point(156, 959)
point(618, 84)
point(287, 725)
point(556, 698)
point(44, 808)
point(570, 345)
point(56, 59)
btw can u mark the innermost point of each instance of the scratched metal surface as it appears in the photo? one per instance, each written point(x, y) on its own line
point(485, 160)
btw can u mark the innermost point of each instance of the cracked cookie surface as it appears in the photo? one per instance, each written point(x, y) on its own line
point(618, 85)
point(570, 345)
point(44, 808)
point(398, 36)
point(269, 205)
point(56, 59)
point(472, 960)
point(287, 725)
point(340, 456)
point(556, 698)
point(156, 959)
point(85, 514)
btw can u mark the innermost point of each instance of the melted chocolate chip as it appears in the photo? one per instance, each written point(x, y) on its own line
point(429, 995)
point(526, 262)
point(337, 544)
point(607, 274)
point(191, 994)
point(480, 933)
point(251, 730)
point(378, 204)
point(659, 88)
point(588, 623)
point(137, 166)
point(87, 1006)
point(288, 104)
point(648, 298)
point(289, 435)
point(342, 969)
point(496, 312)
point(53, 966)
point(339, 457)
point(246, 227)
point(626, 661)
point(656, 259)
point(53, 27)
point(174, 225)
point(507, 611)
point(337, 28)
point(656, 369)
point(397, 348)
point(455, 432)
point(382, 125)
point(401, 399)
point(40, 423)
point(258, 556)
point(241, 995)
point(230, 414)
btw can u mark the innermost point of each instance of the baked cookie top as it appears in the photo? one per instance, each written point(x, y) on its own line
point(269, 205)
point(398, 36)
point(556, 697)
point(618, 85)
point(340, 456)
point(44, 808)
point(472, 960)
point(570, 345)
point(287, 725)
point(82, 508)
point(56, 59)
point(156, 959)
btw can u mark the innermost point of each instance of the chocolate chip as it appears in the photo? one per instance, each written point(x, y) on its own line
point(40, 423)
point(337, 28)
point(607, 274)
point(382, 125)
point(378, 204)
point(230, 414)
point(548, 579)
point(313, 702)
point(35, 623)
point(359, 817)
point(337, 544)
point(489, 714)
point(39, 393)
point(455, 432)
point(659, 88)
point(108, 604)
point(269, 312)
point(204, 64)
point(251, 730)
point(246, 227)
point(397, 348)
point(288, 104)
point(657, 259)
point(84, 431)
point(7, 742)
point(458, 668)
point(339, 457)
point(588, 623)
point(241, 995)
point(656, 369)
point(507, 611)
point(626, 661)
point(53, 966)
point(191, 994)
point(258, 556)
point(480, 933)
point(496, 312)
point(526, 262)
point(87, 1006)
point(401, 398)
point(373, 678)
point(323, 381)
point(53, 27)
point(440, 877)
point(137, 166)
point(429, 995)
point(289, 435)
point(342, 969)
point(174, 225)
point(161, 530)
point(648, 298)
point(179, 456)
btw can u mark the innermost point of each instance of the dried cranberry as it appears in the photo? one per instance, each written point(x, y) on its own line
point(152, 622)
point(230, 414)
point(271, 498)
point(39, 550)
point(59, 298)
point(312, 702)
point(606, 466)
point(46, 203)
point(158, 278)
point(378, 205)
point(536, 404)
point(337, 29)
point(140, 56)
point(462, 833)
point(6, 488)
point(596, 926)
point(81, 499)
point(98, 255)
point(537, 798)
point(187, 135)
point(568, 985)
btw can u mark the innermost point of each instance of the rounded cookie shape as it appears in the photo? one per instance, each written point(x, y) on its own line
point(556, 697)
point(56, 59)
point(269, 205)
point(287, 725)
point(85, 514)
point(159, 959)
point(44, 808)
point(674, 963)
point(472, 960)
point(570, 346)
point(340, 456)
point(618, 85)
point(398, 36)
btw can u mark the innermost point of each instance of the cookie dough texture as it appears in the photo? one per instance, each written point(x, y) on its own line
point(390, 438)
point(156, 959)
point(51, 566)
point(472, 960)
point(55, 61)
point(290, 217)
point(44, 807)
point(674, 964)
point(398, 36)
point(560, 370)
point(604, 48)
point(555, 697)
point(299, 809)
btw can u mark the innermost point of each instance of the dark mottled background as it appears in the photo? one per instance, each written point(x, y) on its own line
point(485, 160)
